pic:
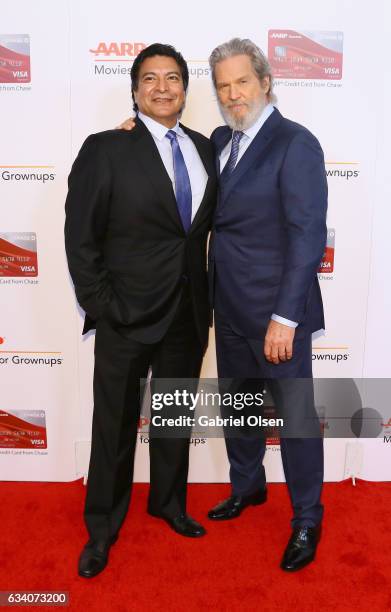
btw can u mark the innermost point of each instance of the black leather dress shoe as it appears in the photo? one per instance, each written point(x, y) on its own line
point(301, 548)
point(94, 556)
point(184, 525)
point(233, 506)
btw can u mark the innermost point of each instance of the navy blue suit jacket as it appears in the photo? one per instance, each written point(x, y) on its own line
point(270, 230)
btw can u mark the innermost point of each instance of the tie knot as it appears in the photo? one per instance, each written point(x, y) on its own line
point(236, 136)
point(171, 135)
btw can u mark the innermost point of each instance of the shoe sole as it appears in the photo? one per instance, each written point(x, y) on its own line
point(186, 535)
point(298, 567)
point(231, 518)
point(92, 575)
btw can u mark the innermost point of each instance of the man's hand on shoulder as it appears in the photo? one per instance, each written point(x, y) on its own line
point(128, 124)
point(279, 342)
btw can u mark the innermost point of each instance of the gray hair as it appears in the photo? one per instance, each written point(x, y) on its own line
point(244, 46)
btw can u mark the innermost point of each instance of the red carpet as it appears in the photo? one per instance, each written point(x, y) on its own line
point(235, 567)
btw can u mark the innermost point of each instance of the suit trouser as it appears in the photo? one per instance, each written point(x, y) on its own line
point(120, 363)
point(243, 358)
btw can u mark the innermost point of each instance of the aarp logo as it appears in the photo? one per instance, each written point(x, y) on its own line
point(117, 50)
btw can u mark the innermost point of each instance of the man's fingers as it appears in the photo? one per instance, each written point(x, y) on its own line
point(267, 349)
point(282, 355)
point(274, 353)
point(278, 346)
point(277, 351)
point(126, 125)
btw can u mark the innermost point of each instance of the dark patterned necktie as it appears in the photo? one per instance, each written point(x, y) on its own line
point(182, 181)
point(233, 156)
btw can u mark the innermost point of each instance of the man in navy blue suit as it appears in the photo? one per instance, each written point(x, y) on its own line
point(269, 237)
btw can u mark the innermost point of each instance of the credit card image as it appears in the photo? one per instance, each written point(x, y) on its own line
point(23, 429)
point(18, 254)
point(272, 432)
point(327, 263)
point(15, 58)
point(305, 55)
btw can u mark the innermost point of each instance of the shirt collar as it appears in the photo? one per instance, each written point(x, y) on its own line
point(158, 130)
point(254, 129)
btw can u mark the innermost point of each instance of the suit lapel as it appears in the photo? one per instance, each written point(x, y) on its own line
point(256, 148)
point(149, 159)
point(207, 161)
point(223, 141)
point(206, 158)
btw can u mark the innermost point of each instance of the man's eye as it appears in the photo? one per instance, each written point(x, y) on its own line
point(173, 77)
point(243, 81)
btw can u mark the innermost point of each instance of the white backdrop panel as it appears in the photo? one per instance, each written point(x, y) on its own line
point(37, 314)
point(76, 90)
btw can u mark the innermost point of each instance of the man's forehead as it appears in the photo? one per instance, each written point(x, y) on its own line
point(159, 63)
point(234, 67)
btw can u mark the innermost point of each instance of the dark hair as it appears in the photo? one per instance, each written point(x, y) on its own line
point(151, 51)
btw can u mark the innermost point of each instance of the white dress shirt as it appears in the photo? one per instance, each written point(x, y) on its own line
point(195, 168)
point(247, 138)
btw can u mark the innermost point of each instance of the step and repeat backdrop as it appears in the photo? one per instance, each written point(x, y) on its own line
point(65, 73)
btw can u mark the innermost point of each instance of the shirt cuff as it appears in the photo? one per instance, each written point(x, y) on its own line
point(284, 321)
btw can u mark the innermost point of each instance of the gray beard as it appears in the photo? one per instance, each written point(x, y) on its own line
point(241, 123)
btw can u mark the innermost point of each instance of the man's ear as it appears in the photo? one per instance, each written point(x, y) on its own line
point(266, 84)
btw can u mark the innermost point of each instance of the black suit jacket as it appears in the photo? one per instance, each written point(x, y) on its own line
point(128, 254)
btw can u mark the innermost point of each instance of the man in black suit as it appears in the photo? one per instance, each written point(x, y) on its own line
point(138, 213)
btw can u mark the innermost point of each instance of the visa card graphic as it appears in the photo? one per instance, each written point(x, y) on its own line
point(272, 432)
point(15, 58)
point(23, 429)
point(306, 55)
point(18, 254)
point(327, 263)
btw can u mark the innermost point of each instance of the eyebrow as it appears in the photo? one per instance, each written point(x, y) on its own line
point(243, 76)
point(155, 73)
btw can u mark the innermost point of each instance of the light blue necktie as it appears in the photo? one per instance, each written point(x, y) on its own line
point(182, 181)
point(233, 156)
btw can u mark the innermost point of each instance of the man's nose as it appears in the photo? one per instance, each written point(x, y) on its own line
point(162, 84)
point(234, 92)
